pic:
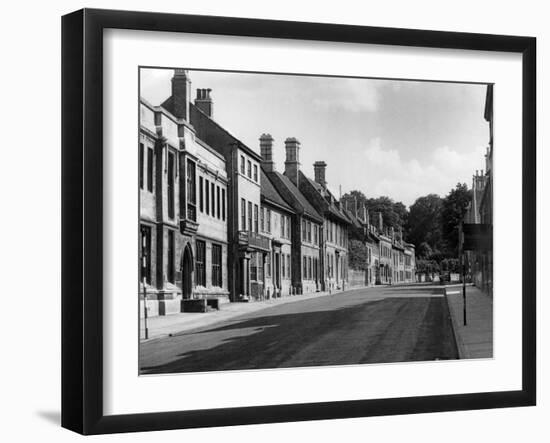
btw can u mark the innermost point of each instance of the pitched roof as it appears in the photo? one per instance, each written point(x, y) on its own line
point(331, 209)
point(354, 220)
point(270, 194)
point(293, 196)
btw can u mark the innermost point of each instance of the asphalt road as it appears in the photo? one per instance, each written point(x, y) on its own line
point(373, 325)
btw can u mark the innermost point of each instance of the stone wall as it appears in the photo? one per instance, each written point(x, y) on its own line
point(356, 278)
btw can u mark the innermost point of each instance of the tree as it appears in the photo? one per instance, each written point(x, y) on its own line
point(424, 223)
point(453, 208)
point(358, 255)
point(424, 251)
point(394, 214)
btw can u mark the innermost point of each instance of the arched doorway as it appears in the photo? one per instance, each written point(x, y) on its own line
point(187, 273)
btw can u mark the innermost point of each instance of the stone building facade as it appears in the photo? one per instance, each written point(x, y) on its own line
point(247, 245)
point(183, 208)
point(480, 209)
point(334, 245)
point(218, 221)
point(276, 223)
point(306, 223)
point(410, 262)
point(385, 271)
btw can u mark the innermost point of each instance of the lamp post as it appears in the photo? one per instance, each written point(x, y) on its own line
point(144, 282)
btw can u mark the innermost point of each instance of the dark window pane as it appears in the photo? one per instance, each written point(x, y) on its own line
point(213, 196)
point(145, 248)
point(141, 158)
point(200, 269)
point(171, 251)
point(201, 194)
point(170, 185)
point(150, 157)
point(218, 196)
point(216, 265)
point(223, 204)
point(207, 196)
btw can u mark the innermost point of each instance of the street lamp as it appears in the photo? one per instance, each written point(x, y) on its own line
point(144, 281)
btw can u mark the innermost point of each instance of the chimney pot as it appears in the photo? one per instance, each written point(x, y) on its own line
point(204, 101)
point(320, 168)
point(292, 162)
point(180, 93)
point(266, 150)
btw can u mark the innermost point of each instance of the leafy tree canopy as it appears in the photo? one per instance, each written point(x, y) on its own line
point(424, 222)
point(394, 214)
point(452, 212)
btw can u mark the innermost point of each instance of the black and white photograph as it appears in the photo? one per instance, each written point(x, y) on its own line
point(291, 221)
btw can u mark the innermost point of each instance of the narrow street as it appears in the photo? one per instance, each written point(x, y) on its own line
point(371, 325)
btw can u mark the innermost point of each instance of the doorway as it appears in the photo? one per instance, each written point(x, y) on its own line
point(277, 270)
point(187, 273)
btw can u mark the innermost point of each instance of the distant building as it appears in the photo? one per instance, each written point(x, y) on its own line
point(385, 269)
point(398, 259)
point(410, 263)
point(358, 260)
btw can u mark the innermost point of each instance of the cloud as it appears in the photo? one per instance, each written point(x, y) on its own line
point(387, 173)
point(347, 94)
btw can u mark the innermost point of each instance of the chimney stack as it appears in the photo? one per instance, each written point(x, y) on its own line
point(180, 93)
point(292, 163)
point(320, 168)
point(380, 222)
point(204, 101)
point(266, 150)
point(366, 215)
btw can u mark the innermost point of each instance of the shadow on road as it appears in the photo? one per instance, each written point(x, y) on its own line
point(392, 329)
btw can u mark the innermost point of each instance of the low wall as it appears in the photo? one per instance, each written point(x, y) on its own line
point(356, 278)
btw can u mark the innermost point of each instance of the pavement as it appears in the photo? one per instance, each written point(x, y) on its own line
point(166, 325)
point(368, 325)
point(475, 339)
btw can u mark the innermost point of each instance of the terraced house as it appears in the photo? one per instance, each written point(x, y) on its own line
point(247, 245)
point(276, 223)
point(334, 245)
point(305, 223)
point(218, 222)
point(410, 262)
point(384, 275)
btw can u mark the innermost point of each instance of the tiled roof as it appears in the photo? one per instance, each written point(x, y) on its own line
point(269, 192)
point(332, 208)
point(284, 182)
point(354, 220)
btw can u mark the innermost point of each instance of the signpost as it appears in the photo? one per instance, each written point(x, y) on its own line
point(473, 237)
point(144, 282)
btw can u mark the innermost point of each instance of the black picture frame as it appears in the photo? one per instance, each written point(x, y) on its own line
point(82, 220)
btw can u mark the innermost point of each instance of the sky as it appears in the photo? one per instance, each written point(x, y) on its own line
point(402, 139)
